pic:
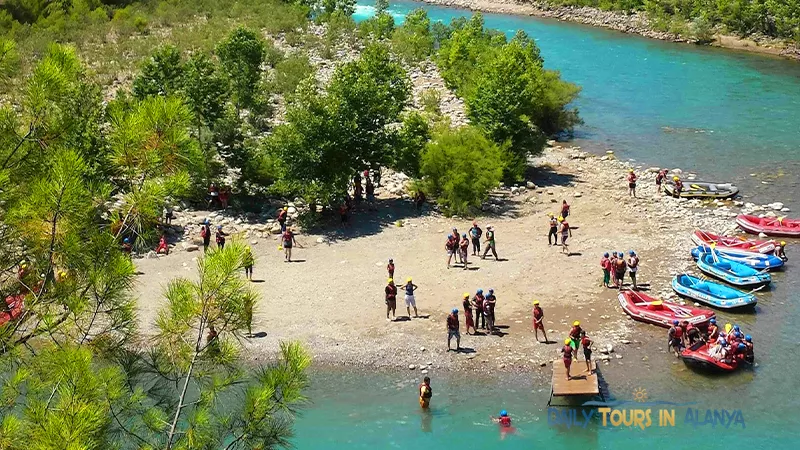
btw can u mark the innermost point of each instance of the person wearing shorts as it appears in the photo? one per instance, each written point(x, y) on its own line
point(587, 351)
point(391, 298)
point(410, 300)
point(452, 330)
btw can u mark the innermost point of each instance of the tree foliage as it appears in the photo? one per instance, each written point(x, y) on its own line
point(161, 74)
point(241, 56)
point(413, 41)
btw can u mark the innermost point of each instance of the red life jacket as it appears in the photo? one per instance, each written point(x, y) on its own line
point(567, 352)
point(537, 313)
point(452, 322)
point(505, 421)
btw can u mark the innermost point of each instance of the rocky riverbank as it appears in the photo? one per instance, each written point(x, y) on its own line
point(633, 23)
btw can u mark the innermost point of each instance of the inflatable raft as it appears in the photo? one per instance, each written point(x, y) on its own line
point(702, 189)
point(771, 226)
point(754, 260)
point(711, 293)
point(731, 271)
point(696, 355)
point(643, 308)
point(733, 244)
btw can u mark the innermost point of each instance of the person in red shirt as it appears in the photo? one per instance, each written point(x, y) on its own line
point(566, 232)
point(575, 337)
point(390, 268)
point(538, 321)
point(450, 246)
point(662, 175)
point(587, 351)
point(288, 240)
point(567, 351)
point(282, 215)
point(564, 209)
point(675, 335)
point(162, 245)
point(463, 249)
point(391, 298)
point(632, 183)
point(220, 237)
point(605, 264)
point(713, 330)
point(468, 314)
point(452, 330)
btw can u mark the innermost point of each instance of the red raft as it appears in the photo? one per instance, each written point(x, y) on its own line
point(771, 226)
point(15, 304)
point(647, 309)
point(735, 244)
point(697, 356)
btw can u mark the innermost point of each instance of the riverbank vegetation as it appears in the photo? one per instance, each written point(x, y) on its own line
point(771, 18)
point(139, 106)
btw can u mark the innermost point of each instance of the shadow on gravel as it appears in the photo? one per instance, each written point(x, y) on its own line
point(364, 222)
point(545, 176)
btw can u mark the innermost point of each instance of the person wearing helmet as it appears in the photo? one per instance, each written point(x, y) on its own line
point(632, 183)
point(425, 391)
point(587, 351)
point(605, 264)
point(675, 338)
point(468, 313)
point(503, 419)
point(220, 237)
point(452, 330)
point(162, 247)
point(488, 310)
point(612, 260)
point(289, 241)
point(283, 214)
point(575, 337)
point(620, 266)
point(478, 301)
point(127, 248)
point(538, 321)
point(490, 243)
point(475, 234)
point(450, 246)
point(248, 261)
point(731, 335)
point(205, 233)
point(410, 300)
point(22, 271)
point(749, 355)
point(691, 332)
point(390, 298)
point(566, 232)
point(720, 351)
point(660, 177)
point(676, 180)
point(463, 249)
point(390, 268)
point(780, 251)
point(568, 352)
point(633, 267)
point(552, 235)
point(713, 330)
point(564, 209)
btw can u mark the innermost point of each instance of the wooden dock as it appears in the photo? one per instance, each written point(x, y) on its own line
point(582, 383)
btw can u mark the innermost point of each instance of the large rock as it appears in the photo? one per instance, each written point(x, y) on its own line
point(191, 248)
point(276, 229)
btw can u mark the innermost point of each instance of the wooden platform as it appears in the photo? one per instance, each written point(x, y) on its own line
point(581, 383)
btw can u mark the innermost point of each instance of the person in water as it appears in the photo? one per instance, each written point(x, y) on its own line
point(410, 299)
point(780, 251)
point(503, 420)
point(469, 322)
point(632, 183)
point(568, 351)
point(553, 233)
point(538, 321)
point(452, 330)
point(587, 351)
point(675, 336)
point(425, 393)
point(633, 267)
point(605, 264)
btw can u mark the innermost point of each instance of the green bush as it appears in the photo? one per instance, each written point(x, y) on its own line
point(460, 167)
point(290, 72)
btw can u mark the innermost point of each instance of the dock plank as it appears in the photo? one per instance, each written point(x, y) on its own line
point(581, 382)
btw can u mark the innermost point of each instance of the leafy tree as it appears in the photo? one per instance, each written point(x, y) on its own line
point(377, 27)
point(161, 74)
point(413, 41)
point(346, 7)
point(9, 59)
point(381, 6)
point(410, 141)
point(290, 72)
point(205, 90)
point(460, 167)
point(241, 56)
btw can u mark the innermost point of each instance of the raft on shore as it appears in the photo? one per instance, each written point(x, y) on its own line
point(711, 293)
point(702, 189)
point(731, 272)
point(770, 226)
point(644, 308)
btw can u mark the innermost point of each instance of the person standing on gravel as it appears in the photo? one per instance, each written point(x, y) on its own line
point(390, 268)
point(564, 209)
point(488, 310)
point(566, 232)
point(490, 243)
point(553, 234)
point(632, 183)
point(480, 317)
point(475, 233)
point(391, 298)
point(538, 321)
point(288, 241)
point(458, 241)
point(220, 238)
point(205, 233)
point(450, 247)
point(469, 322)
point(633, 267)
point(248, 261)
point(619, 269)
point(605, 264)
point(463, 249)
point(452, 330)
point(410, 300)
point(282, 215)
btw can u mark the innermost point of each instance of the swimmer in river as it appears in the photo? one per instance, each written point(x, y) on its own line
point(504, 420)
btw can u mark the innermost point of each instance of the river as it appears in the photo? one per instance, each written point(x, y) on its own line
point(721, 114)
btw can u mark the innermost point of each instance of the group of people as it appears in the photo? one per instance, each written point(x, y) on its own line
point(661, 177)
point(723, 345)
point(390, 294)
point(577, 338)
point(615, 265)
point(459, 245)
point(479, 312)
point(218, 196)
point(559, 226)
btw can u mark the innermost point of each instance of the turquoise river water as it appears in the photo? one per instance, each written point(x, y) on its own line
point(722, 114)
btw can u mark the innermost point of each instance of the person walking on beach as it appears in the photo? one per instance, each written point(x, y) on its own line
point(633, 267)
point(488, 310)
point(553, 234)
point(390, 268)
point(450, 247)
point(567, 351)
point(410, 300)
point(468, 314)
point(480, 317)
point(660, 178)
point(205, 233)
point(566, 232)
point(425, 391)
point(490, 243)
point(220, 238)
point(575, 337)
point(390, 298)
point(538, 321)
point(632, 183)
point(564, 209)
point(587, 351)
point(458, 244)
point(605, 264)
point(248, 261)
point(475, 233)
point(463, 249)
point(619, 269)
point(282, 215)
point(452, 330)
point(289, 241)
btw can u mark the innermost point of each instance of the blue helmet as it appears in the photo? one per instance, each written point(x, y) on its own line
point(736, 327)
point(491, 291)
point(126, 240)
point(503, 413)
point(464, 235)
point(737, 334)
point(454, 311)
point(748, 338)
point(206, 221)
point(674, 322)
point(620, 254)
point(631, 252)
point(605, 254)
point(712, 321)
point(480, 291)
point(742, 346)
point(723, 342)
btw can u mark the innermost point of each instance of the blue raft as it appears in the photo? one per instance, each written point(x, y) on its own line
point(732, 272)
point(710, 293)
point(753, 260)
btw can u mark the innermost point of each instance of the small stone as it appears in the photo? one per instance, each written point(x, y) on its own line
point(253, 242)
point(191, 248)
point(578, 194)
point(424, 371)
point(530, 185)
point(152, 255)
point(411, 367)
point(543, 364)
point(625, 341)
point(422, 349)
point(618, 356)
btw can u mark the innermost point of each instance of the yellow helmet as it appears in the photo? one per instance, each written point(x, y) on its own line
point(567, 341)
point(560, 219)
point(24, 266)
point(390, 280)
point(408, 280)
point(535, 302)
point(783, 243)
point(676, 178)
point(285, 208)
point(630, 170)
point(550, 214)
point(62, 274)
point(466, 294)
point(576, 323)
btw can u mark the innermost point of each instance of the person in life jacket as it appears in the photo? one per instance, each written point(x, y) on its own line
point(248, 261)
point(566, 232)
point(503, 420)
point(468, 320)
point(575, 337)
point(220, 237)
point(425, 393)
point(613, 262)
point(162, 245)
point(660, 177)
point(289, 241)
point(489, 305)
point(678, 186)
point(633, 267)
point(564, 209)
point(205, 233)
point(553, 233)
point(675, 337)
point(282, 216)
point(463, 249)
point(780, 251)
point(568, 351)
point(731, 333)
point(475, 234)
point(632, 183)
point(490, 243)
point(458, 241)
point(390, 268)
point(390, 292)
point(713, 330)
point(477, 301)
point(538, 321)
point(692, 333)
point(749, 354)
point(587, 351)
point(127, 248)
point(452, 330)
point(450, 247)
point(605, 264)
